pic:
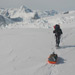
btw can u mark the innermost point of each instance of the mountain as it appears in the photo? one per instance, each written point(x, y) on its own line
point(47, 13)
point(4, 12)
point(25, 17)
point(2, 20)
point(5, 21)
point(25, 9)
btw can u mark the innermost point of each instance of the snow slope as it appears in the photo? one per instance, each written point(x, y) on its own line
point(24, 51)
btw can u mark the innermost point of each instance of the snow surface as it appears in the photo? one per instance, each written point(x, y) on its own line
point(25, 46)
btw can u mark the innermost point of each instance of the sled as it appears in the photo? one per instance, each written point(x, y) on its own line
point(51, 62)
point(52, 59)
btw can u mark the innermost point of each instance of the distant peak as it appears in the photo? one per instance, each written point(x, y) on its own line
point(24, 8)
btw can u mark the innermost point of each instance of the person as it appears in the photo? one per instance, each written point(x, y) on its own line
point(57, 30)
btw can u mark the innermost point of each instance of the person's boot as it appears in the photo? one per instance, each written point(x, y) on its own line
point(57, 45)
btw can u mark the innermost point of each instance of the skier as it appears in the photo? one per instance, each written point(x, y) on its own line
point(58, 33)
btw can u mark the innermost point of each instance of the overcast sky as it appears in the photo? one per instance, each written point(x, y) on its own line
point(59, 5)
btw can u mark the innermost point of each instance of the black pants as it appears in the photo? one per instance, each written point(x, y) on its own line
point(57, 40)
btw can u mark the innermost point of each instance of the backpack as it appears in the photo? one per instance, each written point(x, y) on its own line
point(57, 27)
point(58, 31)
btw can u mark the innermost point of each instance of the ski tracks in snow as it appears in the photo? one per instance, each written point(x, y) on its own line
point(46, 69)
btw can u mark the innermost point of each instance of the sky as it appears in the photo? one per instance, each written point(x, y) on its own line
point(59, 5)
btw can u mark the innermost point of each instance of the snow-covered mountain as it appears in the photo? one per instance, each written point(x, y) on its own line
point(4, 21)
point(25, 9)
point(47, 13)
point(25, 17)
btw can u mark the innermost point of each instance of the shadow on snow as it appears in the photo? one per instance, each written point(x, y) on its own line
point(61, 60)
point(68, 46)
